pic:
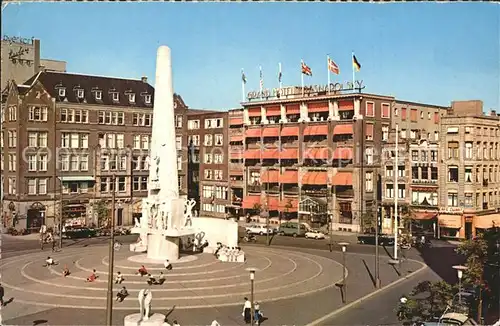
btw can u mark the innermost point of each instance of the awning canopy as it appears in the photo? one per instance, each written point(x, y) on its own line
point(235, 121)
point(252, 154)
point(289, 154)
point(249, 202)
point(315, 178)
point(271, 132)
point(487, 221)
point(424, 215)
point(236, 155)
point(273, 111)
point(292, 109)
point(270, 154)
point(322, 153)
point(343, 153)
point(76, 178)
point(253, 133)
point(290, 205)
point(236, 138)
point(450, 221)
point(254, 112)
point(343, 130)
point(290, 176)
point(290, 132)
point(272, 203)
point(236, 172)
point(342, 179)
point(316, 130)
point(317, 107)
point(270, 176)
point(346, 105)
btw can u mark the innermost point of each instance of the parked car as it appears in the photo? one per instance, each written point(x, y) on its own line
point(291, 228)
point(314, 234)
point(369, 238)
point(79, 232)
point(258, 229)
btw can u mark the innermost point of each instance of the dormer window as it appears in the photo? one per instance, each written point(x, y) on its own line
point(98, 95)
point(80, 93)
point(131, 97)
point(116, 96)
point(62, 92)
point(147, 99)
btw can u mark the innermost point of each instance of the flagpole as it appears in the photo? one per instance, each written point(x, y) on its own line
point(280, 77)
point(328, 70)
point(261, 81)
point(242, 86)
point(353, 71)
point(302, 76)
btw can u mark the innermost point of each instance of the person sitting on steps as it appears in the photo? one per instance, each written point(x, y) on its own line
point(49, 262)
point(161, 279)
point(92, 277)
point(151, 280)
point(168, 265)
point(120, 296)
point(119, 278)
point(66, 271)
point(142, 271)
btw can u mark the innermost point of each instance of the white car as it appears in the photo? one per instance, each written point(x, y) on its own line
point(258, 229)
point(313, 234)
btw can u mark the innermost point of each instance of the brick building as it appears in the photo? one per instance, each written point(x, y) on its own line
point(308, 156)
point(469, 196)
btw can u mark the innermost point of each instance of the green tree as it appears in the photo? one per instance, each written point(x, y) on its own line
point(102, 210)
point(427, 301)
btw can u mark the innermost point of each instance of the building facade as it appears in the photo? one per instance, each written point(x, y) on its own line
point(308, 157)
point(469, 182)
point(65, 136)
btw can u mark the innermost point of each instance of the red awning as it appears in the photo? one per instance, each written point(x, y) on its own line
point(270, 176)
point(424, 215)
point(252, 154)
point(273, 111)
point(271, 132)
point(293, 109)
point(322, 153)
point(342, 179)
point(270, 154)
point(253, 133)
point(236, 155)
point(236, 172)
point(290, 205)
point(236, 138)
point(250, 201)
point(343, 130)
point(343, 153)
point(272, 203)
point(290, 132)
point(346, 105)
point(235, 121)
point(289, 154)
point(317, 107)
point(290, 176)
point(316, 130)
point(315, 178)
point(254, 112)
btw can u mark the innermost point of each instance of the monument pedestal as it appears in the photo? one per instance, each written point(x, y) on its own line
point(162, 247)
point(135, 320)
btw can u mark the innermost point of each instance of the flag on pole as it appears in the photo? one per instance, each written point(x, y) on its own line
point(261, 79)
point(280, 75)
point(355, 63)
point(243, 77)
point(333, 67)
point(306, 70)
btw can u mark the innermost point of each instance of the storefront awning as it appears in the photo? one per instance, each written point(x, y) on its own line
point(450, 221)
point(236, 138)
point(290, 132)
point(289, 205)
point(487, 221)
point(315, 178)
point(252, 154)
point(289, 154)
point(254, 112)
point(316, 130)
point(77, 178)
point(290, 177)
point(317, 153)
point(235, 121)
point(271, 132)
point(270, 176)
point(236, 155)
point(270, 154)
point(317, 107)
point(273, 111)
point(343, 130)
point(249, 202)
point(342, 153)
point(342, 179)
point(253, 133)
point(272, 203)
point(421, 216)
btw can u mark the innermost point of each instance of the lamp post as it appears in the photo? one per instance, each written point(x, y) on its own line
point(252, 279)
point(460, 270)
point(344, 286)
point(396, 194)
point(109, 298)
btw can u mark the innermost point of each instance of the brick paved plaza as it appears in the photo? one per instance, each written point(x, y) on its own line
point(196, 290)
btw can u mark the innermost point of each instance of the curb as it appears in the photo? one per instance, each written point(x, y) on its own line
point(368, 296)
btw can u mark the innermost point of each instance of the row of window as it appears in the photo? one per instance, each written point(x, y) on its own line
point(80, 93)
point(423, 155)
point(74, 162)
point(478, 152)
point(37, 186)
point(214, 158)
point(209, 123)
point(491, 174)
point(215, 208)
point(207, 141)
point(12, 162)
point(75, 140)
point(414, 114)
point(219, 192)
point(37, 162)
point(213, 174)
point(485, 131)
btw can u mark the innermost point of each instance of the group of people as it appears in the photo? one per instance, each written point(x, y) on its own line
point(228, 254)
point(247, 312)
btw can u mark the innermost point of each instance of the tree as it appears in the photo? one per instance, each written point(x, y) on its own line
point(368, 221)
point(427, 301)
point(102, 211)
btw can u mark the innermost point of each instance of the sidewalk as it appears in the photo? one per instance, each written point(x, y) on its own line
point(30, 237)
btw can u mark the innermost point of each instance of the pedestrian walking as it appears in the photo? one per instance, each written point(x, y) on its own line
point(247, 311)
point(53, 244)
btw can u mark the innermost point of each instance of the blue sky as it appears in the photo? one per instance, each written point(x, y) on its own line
point(431, 53)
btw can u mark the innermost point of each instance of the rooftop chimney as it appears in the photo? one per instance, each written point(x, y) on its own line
point(493, 112)
point(144, 79)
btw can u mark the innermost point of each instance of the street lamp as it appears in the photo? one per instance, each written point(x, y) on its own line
point(109, 299)
point(252, 278)
point(344, 287)
point(460, 270)
point(396, 194)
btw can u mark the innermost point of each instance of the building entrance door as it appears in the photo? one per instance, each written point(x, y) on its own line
point(468, 230)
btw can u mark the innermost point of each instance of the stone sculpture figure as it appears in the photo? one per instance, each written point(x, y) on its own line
point(136, 222)
point(189, 204)
point(145, 297)
point(160, 221)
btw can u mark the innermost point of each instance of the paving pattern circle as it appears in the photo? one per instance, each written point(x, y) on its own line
point(200, 283)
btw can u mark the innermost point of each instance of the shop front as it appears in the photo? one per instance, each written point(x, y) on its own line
point(35, 217)
point(424, 222)
point(485, 222)
point(74, 214)
point(137, 211)
point(450, 225)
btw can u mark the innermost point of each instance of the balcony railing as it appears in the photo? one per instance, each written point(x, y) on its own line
point(254, 188)
point(424, 181)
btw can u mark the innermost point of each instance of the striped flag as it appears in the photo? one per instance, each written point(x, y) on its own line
point(243, 77)
point(280, 75)
point(261, 79)
point(355, 63)
point(333, 67)
point(306, 70)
